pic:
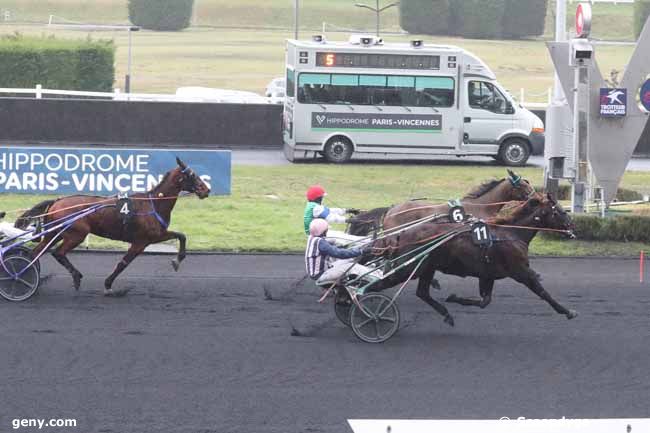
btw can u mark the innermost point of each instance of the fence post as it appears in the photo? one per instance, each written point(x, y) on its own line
point(521, 96)
point(39, 91)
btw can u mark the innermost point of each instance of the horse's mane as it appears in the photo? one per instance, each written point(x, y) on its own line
point(483, 188)
point(514, 211)
point(162, 181)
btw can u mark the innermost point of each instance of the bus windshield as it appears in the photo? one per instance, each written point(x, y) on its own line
point(381, 90)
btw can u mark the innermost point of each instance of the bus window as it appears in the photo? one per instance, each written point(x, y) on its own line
point(434, 92)
point(386, 90)
point(486, 96)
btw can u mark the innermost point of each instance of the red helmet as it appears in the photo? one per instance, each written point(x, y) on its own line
point(315, 192)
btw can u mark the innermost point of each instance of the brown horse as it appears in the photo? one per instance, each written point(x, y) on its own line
point(483, 201)
point(505, 256)
point(150, 216)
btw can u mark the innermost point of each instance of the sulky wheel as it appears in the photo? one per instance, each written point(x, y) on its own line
point(24, 252)
point(342, 306)
point(377, 320)
point(18, 280)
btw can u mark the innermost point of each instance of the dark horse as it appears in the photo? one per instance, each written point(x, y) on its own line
point(151, 215)
point(484, 200)
point(507, 256)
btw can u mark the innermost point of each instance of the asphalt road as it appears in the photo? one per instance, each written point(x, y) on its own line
point(276, 157)
point(208, 349)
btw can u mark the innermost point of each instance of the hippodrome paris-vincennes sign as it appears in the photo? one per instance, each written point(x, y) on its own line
point(31, 170)
point(383, 122)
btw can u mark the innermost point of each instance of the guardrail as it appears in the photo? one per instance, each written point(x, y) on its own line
point(117, 95)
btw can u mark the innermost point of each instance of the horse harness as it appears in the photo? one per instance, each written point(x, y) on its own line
point(124, 206)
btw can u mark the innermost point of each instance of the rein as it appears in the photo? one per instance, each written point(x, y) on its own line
point(437, 205)
point(107, 200)
point(530, 228)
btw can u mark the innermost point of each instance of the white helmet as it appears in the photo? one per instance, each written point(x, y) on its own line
point(318, 227)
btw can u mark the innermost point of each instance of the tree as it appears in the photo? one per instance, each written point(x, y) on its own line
point(163, 15)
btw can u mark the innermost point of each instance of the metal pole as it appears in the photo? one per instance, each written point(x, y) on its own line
point(377, 10)
point(558, 104)
point(295, 19)
point(127, 80)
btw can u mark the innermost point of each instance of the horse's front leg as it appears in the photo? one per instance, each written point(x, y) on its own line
point(531, 279)
point(134, 251)
point(485, 286)
point(182, 240)
point(423, 292)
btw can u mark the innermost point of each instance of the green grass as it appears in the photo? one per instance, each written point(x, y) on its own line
point(264, 212)
point(232, 57)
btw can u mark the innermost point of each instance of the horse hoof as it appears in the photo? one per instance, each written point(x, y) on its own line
point(572, 314)
point(77, 283)
point(115, 293)
point(449, 320)
point(175, 265)
point(451, 298)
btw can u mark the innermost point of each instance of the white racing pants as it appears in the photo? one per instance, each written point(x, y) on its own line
point(340, 267)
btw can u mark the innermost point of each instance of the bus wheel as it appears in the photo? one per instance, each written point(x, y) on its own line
point(338, 150)
point(514, 152)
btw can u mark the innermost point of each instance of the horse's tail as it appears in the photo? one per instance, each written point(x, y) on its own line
point(364, 223)
point(24, 221)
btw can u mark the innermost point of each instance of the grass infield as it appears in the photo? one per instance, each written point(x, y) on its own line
point(265, 210)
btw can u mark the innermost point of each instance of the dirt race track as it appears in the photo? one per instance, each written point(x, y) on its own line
point(208, 349)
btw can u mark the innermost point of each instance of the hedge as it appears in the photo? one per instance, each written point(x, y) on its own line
point(523, 18)
point(163, 15)
point(56, 63)
point(641, 13)
point(480, 19)
point(474, 18)
point(425, 16)
point(628, 228)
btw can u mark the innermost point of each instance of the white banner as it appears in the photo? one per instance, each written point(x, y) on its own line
point(504, 425)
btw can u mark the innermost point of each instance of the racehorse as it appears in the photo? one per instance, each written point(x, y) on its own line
point(150, 216)
point(506, 256)
point(483, 201)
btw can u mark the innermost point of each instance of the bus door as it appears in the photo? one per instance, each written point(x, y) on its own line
point(487, 113)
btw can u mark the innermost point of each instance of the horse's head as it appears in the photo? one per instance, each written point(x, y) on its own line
point(546, 212)
point(517, 188)
point(188, 181)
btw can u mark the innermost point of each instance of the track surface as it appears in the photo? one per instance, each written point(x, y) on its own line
point(205, 350)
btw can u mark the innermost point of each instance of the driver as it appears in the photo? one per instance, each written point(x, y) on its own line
point(316, 209)
point(320, 252)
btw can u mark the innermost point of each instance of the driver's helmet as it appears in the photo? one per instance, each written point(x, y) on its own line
point(318, 227)
point(315, 192)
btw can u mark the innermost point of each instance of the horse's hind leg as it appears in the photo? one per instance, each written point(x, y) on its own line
point(530, 279)
point(134, 251)
point(485, 287)
point(424, 293)
point(69, 243)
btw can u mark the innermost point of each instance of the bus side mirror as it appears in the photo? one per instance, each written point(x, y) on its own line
point(509, 108)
